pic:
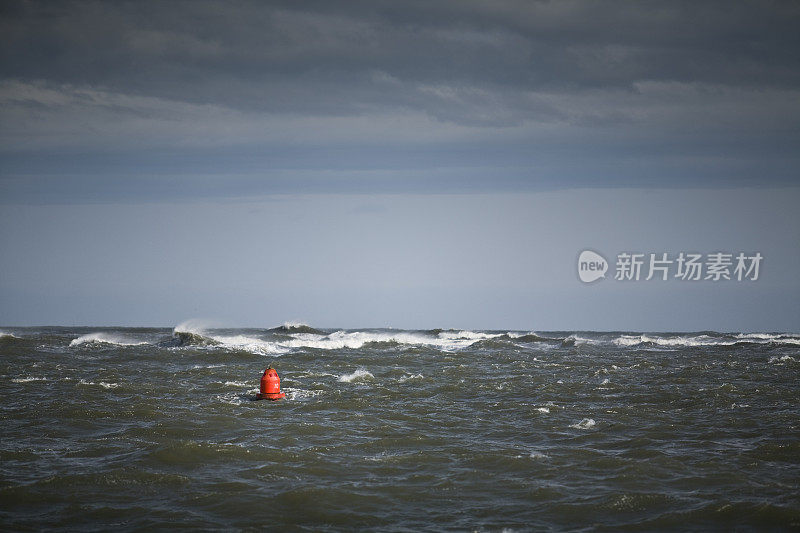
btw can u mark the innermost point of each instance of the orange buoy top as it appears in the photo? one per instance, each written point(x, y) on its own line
point(270, 386)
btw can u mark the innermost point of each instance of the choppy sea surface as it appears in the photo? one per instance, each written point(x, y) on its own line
point(393, 430)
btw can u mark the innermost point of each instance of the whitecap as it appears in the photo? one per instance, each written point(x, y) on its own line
point(357, 339)
point(295, 324)
point(234, 342)
point(697, 340)
point(359, 374)
point(761, 336)
point(586, 423)
point(628, 340)
point(194, 325)
point(467, 335)
point(249, 344)
point(446, 341)
point(576, 340)
point(787, 340)
point(408, 377)
point(705, 340)
point(104, 338)
point(543, 409)
point(28, 379)
point(782, 359)
point(103, 384)
point(781, 338)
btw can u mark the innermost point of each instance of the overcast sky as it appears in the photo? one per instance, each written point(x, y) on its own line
point(407, 164)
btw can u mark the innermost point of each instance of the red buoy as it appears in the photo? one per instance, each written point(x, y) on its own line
point(270, 386)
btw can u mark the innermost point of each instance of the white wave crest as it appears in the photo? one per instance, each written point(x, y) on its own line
point(699, 340)
point(7, 335)
point(28, 379)
point(249, 344)
point(586, 423)
point(782, 359)
point(780, 338)
point(198, 326)
point(544, 410)
point(105, 338)
point(103, 384)
point(359, 374)
point(467, 335)
point(408, 377)
point(357, 339)
point(445, 340)
point(296, 324)
point(235, 342)
point(705, 340)
point(764, 336)
point(578, 340)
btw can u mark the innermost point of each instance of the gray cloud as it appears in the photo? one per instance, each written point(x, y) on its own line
point(531, 85)
point(321, 56)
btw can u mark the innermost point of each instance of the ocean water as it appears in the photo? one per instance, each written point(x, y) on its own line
point(391, 430)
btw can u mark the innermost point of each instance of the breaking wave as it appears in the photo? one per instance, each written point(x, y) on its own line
point(188, 338)
point(291, 337)
point(104, 338)
point(586, 423)
point(359, 374)
point(191, 334)
point(705, 339)
point(781, 338)
point(357, 339)
point(296, 327)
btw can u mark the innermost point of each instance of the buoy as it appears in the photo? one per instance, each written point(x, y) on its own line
point(270, 386)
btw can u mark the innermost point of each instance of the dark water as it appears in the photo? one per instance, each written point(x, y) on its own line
point(131, 429)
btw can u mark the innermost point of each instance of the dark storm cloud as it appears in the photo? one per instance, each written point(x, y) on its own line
point(336, 57)
point(535, 89)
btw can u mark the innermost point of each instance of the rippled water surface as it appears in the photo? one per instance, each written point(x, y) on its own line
point(399, 430)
